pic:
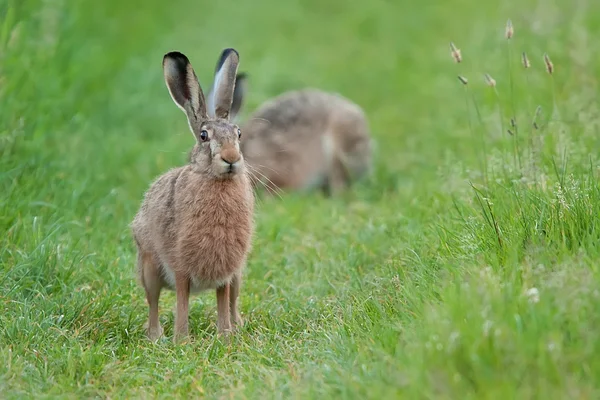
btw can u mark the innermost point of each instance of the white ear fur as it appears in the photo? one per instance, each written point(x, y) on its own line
point(210, 102)
point(224, 84)
point(238, 97)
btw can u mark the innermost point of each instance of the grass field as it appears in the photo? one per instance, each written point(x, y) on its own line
point(467, 266)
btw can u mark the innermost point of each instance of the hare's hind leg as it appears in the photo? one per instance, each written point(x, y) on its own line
point(153, 283)
point(236, 318)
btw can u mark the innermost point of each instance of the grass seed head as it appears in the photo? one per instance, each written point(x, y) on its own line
point(549, 65)
point(455, 52)
point(463, 80)
point(490, 81)
point(509, 31)
point(525, 60)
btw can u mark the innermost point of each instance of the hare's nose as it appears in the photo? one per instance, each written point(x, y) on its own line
point(230, 156)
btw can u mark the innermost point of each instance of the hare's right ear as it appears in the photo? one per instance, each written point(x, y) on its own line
point(224, 84)
point(183, 85)
point(239, 92)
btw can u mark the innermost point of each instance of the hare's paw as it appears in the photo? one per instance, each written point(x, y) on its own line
point(155, 333)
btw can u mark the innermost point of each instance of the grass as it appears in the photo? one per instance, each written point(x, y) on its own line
point(452, 273)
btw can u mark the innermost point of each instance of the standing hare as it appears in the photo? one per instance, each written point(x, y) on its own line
point(193, 231)
point(305, 139)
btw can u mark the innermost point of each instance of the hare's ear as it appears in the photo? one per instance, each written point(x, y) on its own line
point(224, 84)
point(183, 85)
point(238, 97)
point(238, 94)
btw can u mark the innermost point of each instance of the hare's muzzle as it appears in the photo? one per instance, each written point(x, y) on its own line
point(230, 155)
point(230, 158)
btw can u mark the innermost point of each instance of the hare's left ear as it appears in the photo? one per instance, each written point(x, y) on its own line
point(221, 98)
point(183, 86)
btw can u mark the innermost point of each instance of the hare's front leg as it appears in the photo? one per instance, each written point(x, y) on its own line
point(153, 283)
point(236, 318)
point(223, 316)
point(182, 290)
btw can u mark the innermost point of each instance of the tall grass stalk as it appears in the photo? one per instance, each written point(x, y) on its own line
point(533, 128)
point(468, 96)
point(509, 33)
point(457, 57)
point(492, 83)
point(482, 138)
point(550, 70)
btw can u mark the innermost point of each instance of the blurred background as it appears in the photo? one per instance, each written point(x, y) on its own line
point(338, 289)
point(85, 79)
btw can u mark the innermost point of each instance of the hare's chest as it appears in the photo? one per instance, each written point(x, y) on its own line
point(215, 242)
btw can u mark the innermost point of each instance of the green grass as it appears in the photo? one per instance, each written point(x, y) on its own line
point(451, 273)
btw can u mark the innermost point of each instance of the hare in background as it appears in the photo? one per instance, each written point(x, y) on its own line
point(193, 231)
point(304, 139)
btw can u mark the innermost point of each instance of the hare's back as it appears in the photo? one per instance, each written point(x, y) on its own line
point(291, 139)
point(300, 114)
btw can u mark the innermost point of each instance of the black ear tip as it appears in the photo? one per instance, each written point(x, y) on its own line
point(176, 56)
point(224, 54)
point(175, 62)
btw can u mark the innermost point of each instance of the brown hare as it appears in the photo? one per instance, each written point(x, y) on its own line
point(304, 139)
point(193, 231)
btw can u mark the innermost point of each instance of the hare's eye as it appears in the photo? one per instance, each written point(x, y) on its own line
point(239, 133)
point(204, 136)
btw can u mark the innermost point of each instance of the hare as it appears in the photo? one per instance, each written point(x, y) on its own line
point(305, 139)
point(194, 228)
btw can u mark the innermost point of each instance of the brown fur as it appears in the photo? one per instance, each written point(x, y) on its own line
point(193, 231)
point(304, 139)
point(308, 139)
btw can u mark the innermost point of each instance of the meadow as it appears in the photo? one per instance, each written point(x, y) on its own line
point(465, 267)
